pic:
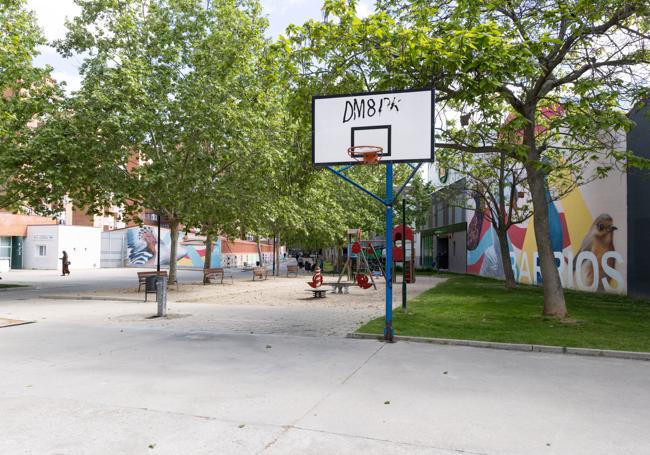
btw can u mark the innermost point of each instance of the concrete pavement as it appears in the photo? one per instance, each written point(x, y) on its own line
point(100, 378)
point(43, 282)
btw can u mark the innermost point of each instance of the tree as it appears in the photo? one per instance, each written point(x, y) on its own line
point(565, 69)
point(171, 100)
point(27, 93)
point(584, 61)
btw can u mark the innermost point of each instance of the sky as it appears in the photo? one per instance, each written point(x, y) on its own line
point(51, 15)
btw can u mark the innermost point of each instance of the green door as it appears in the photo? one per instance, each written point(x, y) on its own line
point(17, 252)
point(427, 249)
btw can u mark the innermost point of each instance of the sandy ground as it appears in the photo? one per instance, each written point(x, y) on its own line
point(278, 305)
point(273, 292)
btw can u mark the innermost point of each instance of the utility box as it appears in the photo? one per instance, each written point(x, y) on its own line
point(161, 295)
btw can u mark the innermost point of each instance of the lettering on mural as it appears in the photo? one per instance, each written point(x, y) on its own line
point(586, 274)
point(368, 108)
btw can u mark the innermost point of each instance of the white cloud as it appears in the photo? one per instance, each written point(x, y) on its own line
point(72, 81)
point(51, 15)
point(364, 8)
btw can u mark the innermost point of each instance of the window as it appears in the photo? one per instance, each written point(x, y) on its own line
point(460, 215)
point(41, 250)
point(5, 247)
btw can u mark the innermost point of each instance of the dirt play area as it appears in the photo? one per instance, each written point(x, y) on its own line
point(272, 292)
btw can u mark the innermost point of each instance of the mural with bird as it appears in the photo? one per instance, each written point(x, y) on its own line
point(599, 240)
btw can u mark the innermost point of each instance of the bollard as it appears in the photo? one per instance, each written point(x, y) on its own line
point(161, 295)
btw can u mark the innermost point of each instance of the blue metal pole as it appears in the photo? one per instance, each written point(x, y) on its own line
point(388, 330)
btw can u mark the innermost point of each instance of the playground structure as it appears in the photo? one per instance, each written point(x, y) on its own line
point(403, 243)
point(375, 128)
point(358, 270)
point(316, 283)
point(316, 279)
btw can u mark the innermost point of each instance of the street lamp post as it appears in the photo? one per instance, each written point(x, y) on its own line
point(158, 249)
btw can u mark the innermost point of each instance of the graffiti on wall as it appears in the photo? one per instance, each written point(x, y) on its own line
point(142, 246)
point(588, 237)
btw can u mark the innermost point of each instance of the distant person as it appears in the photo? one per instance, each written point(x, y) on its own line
point(65, 264)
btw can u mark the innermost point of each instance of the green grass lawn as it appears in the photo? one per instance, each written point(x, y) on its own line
point(475, 308)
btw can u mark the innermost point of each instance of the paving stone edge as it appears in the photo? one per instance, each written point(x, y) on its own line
point(513, 346)
point(83, 297)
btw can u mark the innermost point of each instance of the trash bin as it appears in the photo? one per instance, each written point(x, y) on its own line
point(149, 286)
point(161, 295)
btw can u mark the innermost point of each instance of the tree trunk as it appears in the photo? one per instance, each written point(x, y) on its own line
point(259, 250)
point(275, 264)
point(554, 304)
point(339, 257)
point(207, 261)
point(510, 282)
point(173, 231)
point(277, 254)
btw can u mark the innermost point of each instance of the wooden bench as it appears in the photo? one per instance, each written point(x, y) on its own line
point(217, 273)
point(260, 272)
point(292, 269)
point(340, 288)
point(319, 293)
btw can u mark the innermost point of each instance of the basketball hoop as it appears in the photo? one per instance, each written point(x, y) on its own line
point(368, 154)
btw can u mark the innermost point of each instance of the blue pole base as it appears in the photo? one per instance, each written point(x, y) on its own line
point(389, 332)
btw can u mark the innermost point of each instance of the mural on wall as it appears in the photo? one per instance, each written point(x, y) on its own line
point(142, 244)
point(588, 236)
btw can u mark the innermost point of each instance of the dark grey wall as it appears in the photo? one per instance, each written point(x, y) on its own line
point(458, 252)
point(638, 208)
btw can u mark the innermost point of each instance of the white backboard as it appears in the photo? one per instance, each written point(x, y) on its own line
point(400, 122)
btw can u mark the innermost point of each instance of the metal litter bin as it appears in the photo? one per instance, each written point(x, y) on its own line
point(149, 285)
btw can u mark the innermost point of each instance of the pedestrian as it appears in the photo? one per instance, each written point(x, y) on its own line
point(65, 263)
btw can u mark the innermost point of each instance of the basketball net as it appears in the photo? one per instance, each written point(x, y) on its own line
point(368, 154)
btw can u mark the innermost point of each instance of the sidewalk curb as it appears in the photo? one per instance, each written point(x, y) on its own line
point(631, 355)
point(17, 324)
point(21, 287)
point(81, 297)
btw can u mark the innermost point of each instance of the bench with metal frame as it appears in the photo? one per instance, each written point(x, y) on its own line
point(260, 272)
point(340, 288)
point(216, 273)
point(292, 269)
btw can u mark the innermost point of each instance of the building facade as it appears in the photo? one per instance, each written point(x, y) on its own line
point(137, 246)
point(13, 231)
point(597, 230)
point(443, 237)
point(44, 246)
